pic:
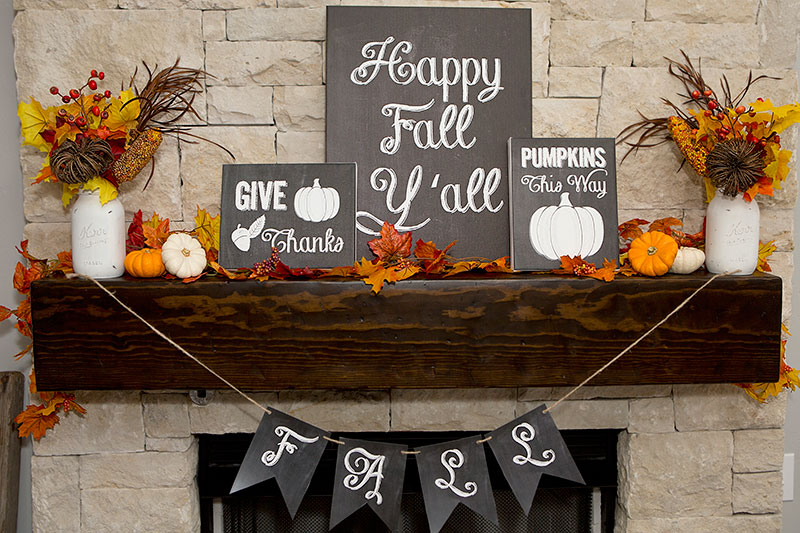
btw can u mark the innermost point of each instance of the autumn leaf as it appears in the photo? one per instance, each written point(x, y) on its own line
point(33, 120)
point(23, 312)
point(404, 270)
point(631, 229)
point(607, 272)
point(462, 266)
point(664, 225)
point(207, 229)
point(434, 260)
point(155, 231)
point(342, 271)
point(391, 245)
point(33, 422)
point(193, 278)
point(242, 273)
point(373, 274)
point(5, 312)
point(20, 354)
point(135, 234)
point(23, 251)
point(107, 190)
point(764, 251)
point(498, 265)
point(63, 262)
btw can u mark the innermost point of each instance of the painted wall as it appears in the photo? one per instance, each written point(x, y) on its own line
point(791, 509)
point(11, 226)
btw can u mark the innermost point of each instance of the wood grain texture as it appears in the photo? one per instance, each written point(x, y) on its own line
point(500, 331)
point(12, 389)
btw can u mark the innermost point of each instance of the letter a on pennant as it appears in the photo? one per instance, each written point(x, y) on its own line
point(368, 473)
point(286, 449)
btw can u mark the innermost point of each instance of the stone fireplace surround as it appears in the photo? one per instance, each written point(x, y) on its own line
point(691, 457)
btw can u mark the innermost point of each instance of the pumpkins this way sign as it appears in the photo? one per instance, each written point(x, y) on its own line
point(305, 211)
point(424, 100)
point(563, 201)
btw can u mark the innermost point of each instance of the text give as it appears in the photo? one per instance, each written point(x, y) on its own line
point(260, 195)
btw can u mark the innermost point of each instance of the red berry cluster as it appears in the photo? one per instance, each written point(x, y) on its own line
point(717, 112)
point(263, 268)
point(76, 95)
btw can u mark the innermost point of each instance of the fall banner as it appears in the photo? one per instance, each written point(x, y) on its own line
point(373, 473)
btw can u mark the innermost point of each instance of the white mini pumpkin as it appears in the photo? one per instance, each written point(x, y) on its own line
point(688, 260)
point(557, 230)
point(183, 255)
point(316, 203)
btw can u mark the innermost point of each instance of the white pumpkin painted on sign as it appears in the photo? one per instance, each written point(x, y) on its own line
point(316, 203)
point(564, 229)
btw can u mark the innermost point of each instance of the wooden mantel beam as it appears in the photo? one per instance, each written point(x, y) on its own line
point(498, 331)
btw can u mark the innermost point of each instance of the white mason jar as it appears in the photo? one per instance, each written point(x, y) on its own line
point(98, 236)
point(732, 228)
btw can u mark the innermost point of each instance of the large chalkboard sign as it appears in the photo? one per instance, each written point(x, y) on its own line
point(424, 100)
point(563, 201)
point(306, 211)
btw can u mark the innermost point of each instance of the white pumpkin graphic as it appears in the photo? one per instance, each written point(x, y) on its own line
point(316, 203)
point(241, 236)
point(563, 229)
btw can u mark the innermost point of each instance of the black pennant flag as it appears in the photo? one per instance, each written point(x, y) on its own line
point(451, 473)
point(528, 447)
point(368, 473)
point(286, 449)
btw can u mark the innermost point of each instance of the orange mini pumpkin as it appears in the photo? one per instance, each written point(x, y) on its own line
point(653, 253)
point(144, 263)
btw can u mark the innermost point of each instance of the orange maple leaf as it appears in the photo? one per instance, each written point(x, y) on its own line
point(342, 271)
point(5, 312)
point(498, 265)
point(373, 274)
point(434, 260)
point(630, 229)
point(606, 273)
point(230, 274)
point(664, 225)
point(391, 245)
point(155, 234)
point(32, 421)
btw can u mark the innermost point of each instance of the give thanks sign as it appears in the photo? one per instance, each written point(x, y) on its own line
point(424, 101)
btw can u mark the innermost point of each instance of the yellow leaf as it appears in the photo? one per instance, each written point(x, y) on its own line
point(764, 251)
point(121, 116)
point(403, 272)
point(207, 229)
point(782, 116)
point(107, 191)
point(33, 120)
point(68, 191)
point(710, 189)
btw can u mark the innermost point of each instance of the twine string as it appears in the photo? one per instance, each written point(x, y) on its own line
point(409, 452)
point(173, 343)
point(634, 343)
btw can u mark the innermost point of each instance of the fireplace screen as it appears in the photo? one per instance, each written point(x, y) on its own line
point(559, 507)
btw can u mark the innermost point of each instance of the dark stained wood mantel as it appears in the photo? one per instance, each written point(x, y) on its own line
point(500, 331)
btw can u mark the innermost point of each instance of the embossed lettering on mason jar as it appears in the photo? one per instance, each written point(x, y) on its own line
point(98, 236)
point(732, 227)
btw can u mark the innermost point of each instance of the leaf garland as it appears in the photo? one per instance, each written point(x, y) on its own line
point(394, 262)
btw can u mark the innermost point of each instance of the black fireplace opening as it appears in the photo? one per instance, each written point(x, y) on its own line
point(560, 506)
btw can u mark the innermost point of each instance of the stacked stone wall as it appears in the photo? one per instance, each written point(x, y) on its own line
point(691, 458)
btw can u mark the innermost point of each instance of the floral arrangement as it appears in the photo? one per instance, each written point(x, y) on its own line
point(734, 146)
point(96, 141)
